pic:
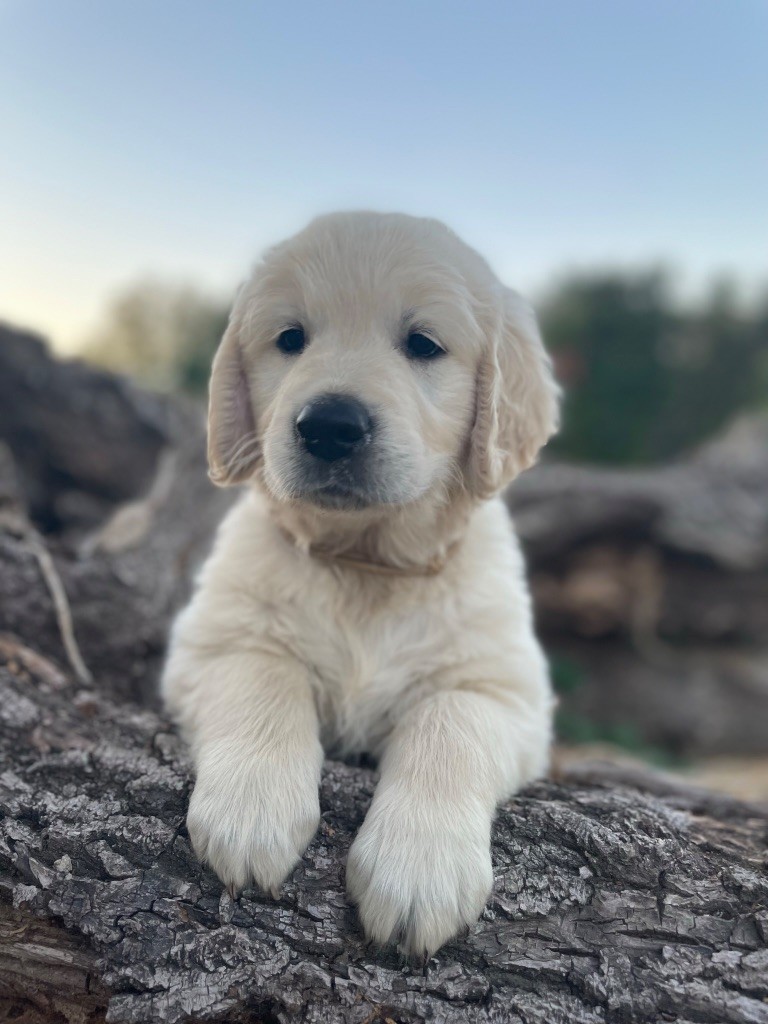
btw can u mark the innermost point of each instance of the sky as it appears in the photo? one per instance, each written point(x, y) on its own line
point(177, 139)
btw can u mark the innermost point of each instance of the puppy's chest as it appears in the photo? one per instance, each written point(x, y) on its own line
point(366, 655)
point(360, 645)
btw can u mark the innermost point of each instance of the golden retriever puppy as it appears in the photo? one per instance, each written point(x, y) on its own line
point(376, 388)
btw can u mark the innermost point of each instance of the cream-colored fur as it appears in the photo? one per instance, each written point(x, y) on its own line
point(281, 655)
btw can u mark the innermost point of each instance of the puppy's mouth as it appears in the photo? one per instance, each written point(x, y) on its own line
point(337, 487)
point(346, 486)
point(338, 496)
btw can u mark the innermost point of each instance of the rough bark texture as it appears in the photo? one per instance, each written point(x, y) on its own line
point(617, 898)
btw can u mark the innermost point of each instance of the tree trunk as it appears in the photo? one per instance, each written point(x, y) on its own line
point(617, 898)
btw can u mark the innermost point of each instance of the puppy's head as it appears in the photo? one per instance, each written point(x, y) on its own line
point(374, 359)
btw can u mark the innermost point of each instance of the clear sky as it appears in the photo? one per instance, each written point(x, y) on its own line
point(176, 138)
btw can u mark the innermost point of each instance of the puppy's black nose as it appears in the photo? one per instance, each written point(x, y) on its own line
point(333, 426)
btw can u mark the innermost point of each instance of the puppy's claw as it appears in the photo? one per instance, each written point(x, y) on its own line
point(234, 893)
point(275, 893)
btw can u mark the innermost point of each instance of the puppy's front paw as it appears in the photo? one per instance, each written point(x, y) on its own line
point(252, 823)
point(420, 873)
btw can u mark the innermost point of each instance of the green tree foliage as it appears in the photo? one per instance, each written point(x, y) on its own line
point(164, 335)
point(644, 378)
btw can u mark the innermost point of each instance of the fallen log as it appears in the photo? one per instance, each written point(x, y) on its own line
point(651, 592)
point(610, 903)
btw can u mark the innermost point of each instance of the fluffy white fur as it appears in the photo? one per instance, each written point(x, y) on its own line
point(281, 655)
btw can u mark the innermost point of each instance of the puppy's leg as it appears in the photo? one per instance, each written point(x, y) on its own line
point(250, 719)
point(420, 868)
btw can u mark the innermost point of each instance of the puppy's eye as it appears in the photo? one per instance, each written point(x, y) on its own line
point(292, 340)
point(419, 346)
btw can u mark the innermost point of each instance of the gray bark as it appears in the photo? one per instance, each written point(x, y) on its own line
point(617, 898)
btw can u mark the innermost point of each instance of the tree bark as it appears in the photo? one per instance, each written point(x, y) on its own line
point(617, 898)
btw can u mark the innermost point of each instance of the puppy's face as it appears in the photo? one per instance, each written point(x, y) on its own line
point(363, 367)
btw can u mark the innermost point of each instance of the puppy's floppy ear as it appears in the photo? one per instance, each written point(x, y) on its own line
point(517, 400)
point(233, 448)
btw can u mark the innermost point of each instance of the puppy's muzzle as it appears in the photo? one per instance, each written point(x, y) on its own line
point(334, 427)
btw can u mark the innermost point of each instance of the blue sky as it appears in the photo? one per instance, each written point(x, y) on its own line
point(178, 139)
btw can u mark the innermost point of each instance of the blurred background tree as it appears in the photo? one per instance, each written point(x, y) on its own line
point(644, 378)
point(162, 334)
